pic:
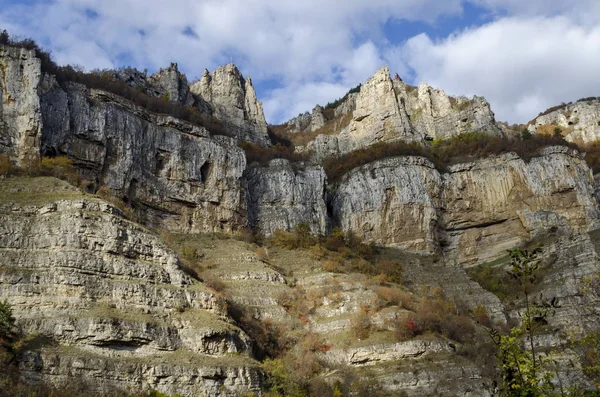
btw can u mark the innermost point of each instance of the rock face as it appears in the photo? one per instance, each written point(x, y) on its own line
point(439, 116)
point(235, 103)
point(579, 122)
point(283, 196)
point(387, 110)
point(112, 298)
point(180, 177)
point(475, 211)
point(20, 121)
point(173, 85)
point(307, 122)
point(391, 202)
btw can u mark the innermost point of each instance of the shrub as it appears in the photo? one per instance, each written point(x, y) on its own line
point(60, 167)
point(212, 282)
point(388, 296)
point(481, 316)
point(300, 237)
point(360, 324)
point(442, 153)
point(5, 165)
point(262, 254)
point(262, 155)
point(406, 328)
point(191, 253)
point(458, 328)
point(104, 193)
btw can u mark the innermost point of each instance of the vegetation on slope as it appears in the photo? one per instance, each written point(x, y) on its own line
point(442, 153)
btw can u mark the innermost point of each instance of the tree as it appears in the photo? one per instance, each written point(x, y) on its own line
point(7, 322)
point(522, 367)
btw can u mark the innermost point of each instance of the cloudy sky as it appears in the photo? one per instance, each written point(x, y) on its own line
point(522, 55)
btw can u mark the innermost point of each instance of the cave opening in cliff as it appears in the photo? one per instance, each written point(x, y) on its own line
point(205, 171)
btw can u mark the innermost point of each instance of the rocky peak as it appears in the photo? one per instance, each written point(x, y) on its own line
point(234, 101)
point(173, 85)
point(387, 110)
point(578, 122)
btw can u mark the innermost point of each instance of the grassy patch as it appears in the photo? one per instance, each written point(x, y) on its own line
point(36, 190)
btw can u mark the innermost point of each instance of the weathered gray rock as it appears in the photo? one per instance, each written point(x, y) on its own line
point(496, 203)
point(234, 101)
point(177, 175)
point(579, 122)
point(299, 123)
point(475, 211)
point(282, 196)
point(172, 85)
point(317, 119)
point(439, 116)
point(20, 121)
point(393, 202)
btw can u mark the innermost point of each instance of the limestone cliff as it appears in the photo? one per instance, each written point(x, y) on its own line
point(578, 122)
point(174, 173)
point(475, 211)
point(111, 298)
point(387, 110)
point(235, 103)
point(282, 196)
point(20, 121)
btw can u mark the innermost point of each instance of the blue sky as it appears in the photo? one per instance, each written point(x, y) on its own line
point(523, 56)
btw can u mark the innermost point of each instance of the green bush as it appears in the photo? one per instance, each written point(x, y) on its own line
point(7, 322)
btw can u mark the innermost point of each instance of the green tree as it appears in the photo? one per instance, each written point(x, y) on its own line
point(7, 322)
point(522, 368)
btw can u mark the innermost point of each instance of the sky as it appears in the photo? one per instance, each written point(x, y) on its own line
point(523, 56)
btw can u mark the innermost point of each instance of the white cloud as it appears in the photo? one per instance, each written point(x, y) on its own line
point(521, 65)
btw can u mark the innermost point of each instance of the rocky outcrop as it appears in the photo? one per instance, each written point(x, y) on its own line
point(438, 116)
point(307, 122)
point(473, 212)
point(174, 173)
point(172, 85)
point(282, 196)
point(578, 122)
point(378, 115)
point(20, 121)
point(108, 294)
point(387, 110)
point(234, 101)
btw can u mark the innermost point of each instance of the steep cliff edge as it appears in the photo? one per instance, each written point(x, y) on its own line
point(284, 195)
point(472, 213)
point(112, 299)
point(173, 173)
point(20, 115)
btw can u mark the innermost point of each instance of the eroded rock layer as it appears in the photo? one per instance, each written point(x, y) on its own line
point(109, 301)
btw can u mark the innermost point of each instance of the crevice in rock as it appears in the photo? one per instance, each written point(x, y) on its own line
point(479, 226)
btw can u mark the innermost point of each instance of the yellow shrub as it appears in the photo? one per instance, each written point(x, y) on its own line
point(60, 167)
